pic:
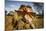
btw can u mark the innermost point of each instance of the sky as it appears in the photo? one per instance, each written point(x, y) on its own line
point(11, 5)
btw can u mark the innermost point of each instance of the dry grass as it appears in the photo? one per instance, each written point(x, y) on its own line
point(38, 21)
point(8, 23)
